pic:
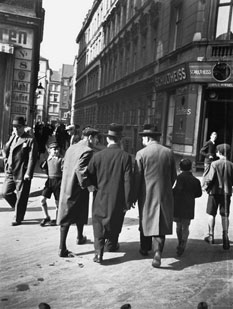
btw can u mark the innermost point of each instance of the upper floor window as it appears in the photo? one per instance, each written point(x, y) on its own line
point(176, 25)
point(224, 26)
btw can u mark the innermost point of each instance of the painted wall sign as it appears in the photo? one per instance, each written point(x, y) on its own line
point(6, 48)
point(23, 64)
point(16, 36)
point(20, 97)
point(171, 77)
point(21, 75)
point(20, 109)
point(23, 53)
point(21, 86)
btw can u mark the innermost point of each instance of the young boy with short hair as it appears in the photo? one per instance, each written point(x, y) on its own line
point(53, 165)
point(186, 189)
point(219, 182)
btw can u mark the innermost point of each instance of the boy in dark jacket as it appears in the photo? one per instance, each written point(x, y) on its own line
point(186, 189)
point(219, 182)
point(53, 166)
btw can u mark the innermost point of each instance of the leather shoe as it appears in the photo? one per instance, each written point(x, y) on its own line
point(143, 252)
point(65, 254)
point(81, 241)
point(98, 258)
point(44, 221)
point(15, 223)
point(113, 248)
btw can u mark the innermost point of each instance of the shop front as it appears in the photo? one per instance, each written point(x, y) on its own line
point(197, 98)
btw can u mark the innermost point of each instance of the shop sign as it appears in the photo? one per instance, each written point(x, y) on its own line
point(16, 35)
point(20, 97)
point(6, 48)
point(220, 85)
point(23, 53)
point(23, 64)
point(21, 75)
point(172, 77)
point(21, 86)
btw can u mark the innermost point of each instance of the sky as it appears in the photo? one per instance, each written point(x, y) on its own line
point(63, 21)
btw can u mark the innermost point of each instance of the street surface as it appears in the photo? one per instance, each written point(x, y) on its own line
point(32, 272)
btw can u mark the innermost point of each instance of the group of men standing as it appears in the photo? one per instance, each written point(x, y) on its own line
point(116, 182)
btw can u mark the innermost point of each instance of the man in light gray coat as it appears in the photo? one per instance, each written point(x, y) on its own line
point(154, 175)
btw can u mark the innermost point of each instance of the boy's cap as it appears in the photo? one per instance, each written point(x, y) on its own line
point(185, 165)
point(224, 149)
point(53, 145)
point(70, 127)
point(90, 131)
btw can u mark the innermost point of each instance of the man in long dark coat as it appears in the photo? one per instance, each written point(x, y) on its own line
point(155, 174)
point(111, 173)
point(74, 195)
point(20, 156)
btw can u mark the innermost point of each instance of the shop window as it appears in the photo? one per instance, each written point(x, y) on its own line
point(224, 25)
point(170, 119)
point(175, 25)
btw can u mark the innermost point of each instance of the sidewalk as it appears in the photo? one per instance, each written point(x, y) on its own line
point(32, 272)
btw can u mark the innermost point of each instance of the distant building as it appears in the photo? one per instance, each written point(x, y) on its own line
point(65, 106)
point(54, 97)
point(21, 32)
point(167, 62)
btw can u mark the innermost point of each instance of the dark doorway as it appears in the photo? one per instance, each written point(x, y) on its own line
point(219, 115)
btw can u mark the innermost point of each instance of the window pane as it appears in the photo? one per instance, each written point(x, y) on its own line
point(222, 22)
point(224, 1)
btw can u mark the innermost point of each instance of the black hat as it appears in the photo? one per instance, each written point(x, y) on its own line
point(19, 120)
point(53, 145)
point(115, 130)
point(149, 130)
point(90, 131)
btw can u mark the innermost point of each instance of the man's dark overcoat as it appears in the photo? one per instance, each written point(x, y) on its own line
point(74, 200)
point(111, 173)
point(155, 174)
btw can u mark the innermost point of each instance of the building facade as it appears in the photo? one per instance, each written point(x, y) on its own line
point(166, 62)
point(54, 97)
point(21, 32)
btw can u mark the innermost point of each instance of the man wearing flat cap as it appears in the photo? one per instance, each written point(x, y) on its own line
point(74, 195)
point(72, 130)
point(154, 176)
point(218, 183)
point(20, 154)
point(110, 171)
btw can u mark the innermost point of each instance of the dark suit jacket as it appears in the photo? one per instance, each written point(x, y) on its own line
point(187, 188)
point(24, 156)
point(209, 149)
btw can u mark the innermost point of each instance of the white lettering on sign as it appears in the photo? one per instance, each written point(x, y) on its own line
point(6, 48)
point(183, 111)
point(16, 36)
point(171, 77)
point(199, 72)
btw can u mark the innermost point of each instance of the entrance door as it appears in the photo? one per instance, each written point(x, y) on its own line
point(219, 115)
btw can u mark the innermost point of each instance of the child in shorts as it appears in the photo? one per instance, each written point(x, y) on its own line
point(219, 182)
point(186, 189)
point(53, 165)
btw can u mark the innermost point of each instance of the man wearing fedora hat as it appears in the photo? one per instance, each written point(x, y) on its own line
point(20, 154)
point(110, 171)
point(154, 175)
point(72, 130)
point(74, 195)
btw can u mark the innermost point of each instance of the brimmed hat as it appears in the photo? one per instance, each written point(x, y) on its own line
point(70, 127)
point(149, 130)
point(115, 130)
point(89, 131)
point(19, 120)
point(53, 145)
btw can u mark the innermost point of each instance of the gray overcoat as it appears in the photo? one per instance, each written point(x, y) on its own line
point(74, 200)
point(154, 176)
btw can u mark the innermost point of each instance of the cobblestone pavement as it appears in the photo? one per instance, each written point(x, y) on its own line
point(32, 272)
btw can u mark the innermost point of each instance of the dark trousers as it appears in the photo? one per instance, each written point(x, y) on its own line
point(64, 229)
point(19, 199)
